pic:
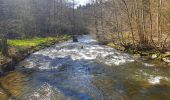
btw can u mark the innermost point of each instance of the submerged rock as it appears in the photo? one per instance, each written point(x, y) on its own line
point(82, 47)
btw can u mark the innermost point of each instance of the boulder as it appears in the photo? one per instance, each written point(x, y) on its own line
point(154, 56)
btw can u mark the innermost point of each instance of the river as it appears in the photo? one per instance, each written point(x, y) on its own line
point(84, 71)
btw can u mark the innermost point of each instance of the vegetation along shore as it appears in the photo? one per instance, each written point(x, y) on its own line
point(19, 49)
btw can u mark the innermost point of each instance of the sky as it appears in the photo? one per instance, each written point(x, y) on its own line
point(82, 2)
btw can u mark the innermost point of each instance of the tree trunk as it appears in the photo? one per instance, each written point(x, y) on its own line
point(4, 46)
point(75, 38)
point(159, 20)
point(129, 21)
point(95, 18)
point(73, 28)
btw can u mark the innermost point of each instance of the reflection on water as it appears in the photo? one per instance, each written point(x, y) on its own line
point(85, 71)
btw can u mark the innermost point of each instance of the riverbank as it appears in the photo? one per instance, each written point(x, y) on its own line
point(152, 57)
point(19, 49)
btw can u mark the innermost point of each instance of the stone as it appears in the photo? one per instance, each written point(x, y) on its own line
point(167, 54)
point(166, 60)
point(137, 56)
point(154, 56)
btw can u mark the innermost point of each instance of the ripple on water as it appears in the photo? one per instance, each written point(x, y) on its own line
point(45, 92)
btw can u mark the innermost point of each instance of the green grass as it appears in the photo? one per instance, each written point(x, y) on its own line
point(34, 41)
point(111, 44)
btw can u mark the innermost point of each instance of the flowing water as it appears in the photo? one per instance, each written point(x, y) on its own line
point(85, 71)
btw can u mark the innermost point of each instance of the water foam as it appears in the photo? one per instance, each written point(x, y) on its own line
point(156, 80)
point(86, 49)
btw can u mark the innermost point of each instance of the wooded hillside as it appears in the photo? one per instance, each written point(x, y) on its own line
point(135, 23)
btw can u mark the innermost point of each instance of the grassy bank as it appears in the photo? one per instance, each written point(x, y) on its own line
point(27, 43)
point(21, 48)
